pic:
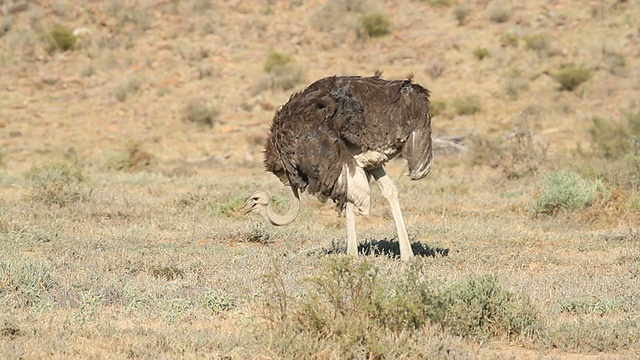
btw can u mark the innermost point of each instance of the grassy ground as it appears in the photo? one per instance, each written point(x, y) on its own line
point(124, 160)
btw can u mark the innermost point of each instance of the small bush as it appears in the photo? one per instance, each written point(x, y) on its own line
point(514, 86)
point(56, 184)
point(536, 42)
point(126, 87)
point(468, 105)
point(60, 38)
point(616, 64)
point(5, 24)
point(481, 53)
point(374, 25)
point(508, 39)
point(133, 160)
point(435, 69)
point(277, 60)
point(282, 73)
point(437, 107)
point(199, 111)
point(611, 139)
point(571, 76)
point(218, 301)
point(499, 13)
point(566, 191)
point(517, 154)
point(481, 308)
point(461, 13)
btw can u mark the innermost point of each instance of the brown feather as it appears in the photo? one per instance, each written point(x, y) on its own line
point(310, 137)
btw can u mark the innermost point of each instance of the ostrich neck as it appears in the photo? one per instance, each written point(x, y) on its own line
point(290, 215)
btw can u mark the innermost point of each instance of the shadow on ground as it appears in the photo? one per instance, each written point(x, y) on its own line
point(385, 247)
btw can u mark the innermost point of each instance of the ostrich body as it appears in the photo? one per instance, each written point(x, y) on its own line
point(330, 138)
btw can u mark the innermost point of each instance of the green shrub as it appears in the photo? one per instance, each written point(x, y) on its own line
point(357, 308)
point(611, 139)
point(499, 13)
point(277, 60)
point(125, 87)
point(374, 24)
point(60, 38)
point(467, 106)
point(5, 24)
point(513, 87)
point(481, 53)
point(437, 107)
point(509, 39)
point(56, 183)
point(199, 111)
point(571, 76)
point(536, 42)
point(218, 301)
point(24, 281)
point(461, 13)
point(281, 73)
point(566, 191)
point(481, 308)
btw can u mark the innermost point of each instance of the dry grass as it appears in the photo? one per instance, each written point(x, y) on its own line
point(143, 252)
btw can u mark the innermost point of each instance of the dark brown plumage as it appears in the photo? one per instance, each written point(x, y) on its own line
point(312, 134)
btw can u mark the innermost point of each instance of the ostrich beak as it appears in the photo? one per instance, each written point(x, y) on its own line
point(249, 206)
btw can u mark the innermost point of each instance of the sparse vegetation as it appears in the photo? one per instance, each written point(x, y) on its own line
point(566, 191)
point(199, 111)
point(461, 13)
point(435, 68)
point(374, 25)
point(282, 73)
point(537, 42)
point(499, 12)
point(277, 60)
point(126, 87)
point(354, 305)
point(467, 105)
point(571, 76)
point(441, 3)
point(56, 183)
point(60, 38)
point(437, 107)
point(481, 53)
point(5, 24)
point(508, 39)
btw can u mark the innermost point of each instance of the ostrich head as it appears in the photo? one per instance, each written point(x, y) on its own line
point(258, 202)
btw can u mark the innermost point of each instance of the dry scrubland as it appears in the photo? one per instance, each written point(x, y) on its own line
point(127, 148)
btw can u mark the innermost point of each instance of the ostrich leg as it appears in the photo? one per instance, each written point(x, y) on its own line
point(390, 192)
point(352, 242)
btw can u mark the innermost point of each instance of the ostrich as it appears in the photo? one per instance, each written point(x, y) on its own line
point(330, 138)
